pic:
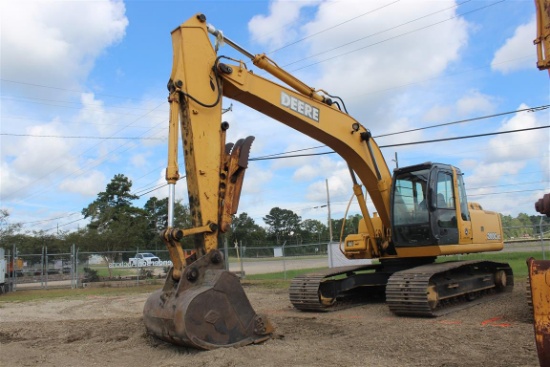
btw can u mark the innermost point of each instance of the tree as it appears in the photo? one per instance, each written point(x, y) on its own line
point(157, 217)
point(282, 223)
point(7, 229)
point(116, 199)
point(115, 223)
point(351, 225)
point(245, 230)
point(313, 230)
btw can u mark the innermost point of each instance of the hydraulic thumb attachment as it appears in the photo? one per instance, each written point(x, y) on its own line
point(201, 304)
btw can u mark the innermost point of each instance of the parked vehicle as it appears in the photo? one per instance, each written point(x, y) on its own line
point(143, 259)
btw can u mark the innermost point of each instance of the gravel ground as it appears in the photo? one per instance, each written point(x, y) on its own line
point(108, 331)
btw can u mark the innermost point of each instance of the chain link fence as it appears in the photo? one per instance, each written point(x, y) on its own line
point(74, 269)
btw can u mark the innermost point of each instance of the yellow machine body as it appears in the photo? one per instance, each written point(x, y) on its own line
point(201, 304)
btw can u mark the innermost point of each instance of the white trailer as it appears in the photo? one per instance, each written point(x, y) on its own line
point(5, 281)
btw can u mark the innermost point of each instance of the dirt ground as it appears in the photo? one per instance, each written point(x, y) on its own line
point(108, 331)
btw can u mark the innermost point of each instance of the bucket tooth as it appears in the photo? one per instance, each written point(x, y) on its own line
point(206, 309)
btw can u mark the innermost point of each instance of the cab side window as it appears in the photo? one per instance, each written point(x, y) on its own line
point(445, 193)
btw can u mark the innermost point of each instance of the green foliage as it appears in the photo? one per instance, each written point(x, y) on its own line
point(283, 224)
point(350, 225)
point(516, 260)
point(245, 231)
point(312, 231)
point(119, 224)
point(45, 294)
point(7, 229)
point(523, 225)
point(280, 275)
point(156, 212)
point(90, 275)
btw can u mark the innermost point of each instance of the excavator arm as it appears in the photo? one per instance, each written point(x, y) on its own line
point(214, 170)
point(201, 304)
point(201, 79)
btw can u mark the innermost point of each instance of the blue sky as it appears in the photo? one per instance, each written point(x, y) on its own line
point(78, 78)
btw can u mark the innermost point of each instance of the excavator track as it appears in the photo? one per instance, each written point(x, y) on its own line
point(437, 289)
point(425, 290)
point(333, 289)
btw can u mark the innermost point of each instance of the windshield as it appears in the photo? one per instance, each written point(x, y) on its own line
point(409, 205)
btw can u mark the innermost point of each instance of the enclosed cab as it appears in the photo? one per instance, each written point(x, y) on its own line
point(430, 211)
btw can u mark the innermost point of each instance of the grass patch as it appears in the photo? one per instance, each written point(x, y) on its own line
point(51, 294)
point(103, 271)
point(516, 260)
point(266, 283)
point(281, 275)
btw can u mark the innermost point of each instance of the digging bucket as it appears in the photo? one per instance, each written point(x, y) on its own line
point(539, 281)
point(206, 309)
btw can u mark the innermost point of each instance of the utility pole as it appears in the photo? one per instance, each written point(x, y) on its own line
point(396, 161)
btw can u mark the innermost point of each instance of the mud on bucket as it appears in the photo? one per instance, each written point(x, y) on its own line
point(206, 309)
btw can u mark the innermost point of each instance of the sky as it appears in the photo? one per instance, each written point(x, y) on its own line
point(83, 97)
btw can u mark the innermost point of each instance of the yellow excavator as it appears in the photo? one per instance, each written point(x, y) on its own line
point(422, 211)
point(539, 270)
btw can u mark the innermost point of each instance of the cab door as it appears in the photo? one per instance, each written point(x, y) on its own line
point(443, 208)
point(465, 232)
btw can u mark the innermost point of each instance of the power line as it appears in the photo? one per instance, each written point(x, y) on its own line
point(503, 192)
point(66, 122)
point(84, 137)
point(105, 156)
point(533, 109)
point(266, 158)
point(332, 27)
point(59, 88)
point(385, 40)
point(372, 34)
point(465, 137)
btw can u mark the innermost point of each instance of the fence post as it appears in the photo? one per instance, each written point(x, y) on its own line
point(73, 268)
point(76, 265)
point(226, 252)
point(138, 267)
point(284, 262)
point(42, 268)
point(46, 263)
point(14, 268)
point(241, 259)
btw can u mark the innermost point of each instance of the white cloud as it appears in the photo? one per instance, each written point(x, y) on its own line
point(392, 48)
point(475, 102)
point(42, 156)
point(511, 56)
point(437, 113)
point(53, 44)
point(523, 145)
point(316, 167)
point(56, 42)
point(274, 30)
point(89, 184)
